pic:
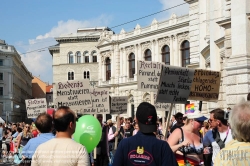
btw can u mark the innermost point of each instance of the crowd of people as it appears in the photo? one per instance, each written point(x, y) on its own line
point(192, 139)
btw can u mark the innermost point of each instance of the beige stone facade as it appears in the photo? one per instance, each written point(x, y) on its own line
point(84, 61)
point(15, 84)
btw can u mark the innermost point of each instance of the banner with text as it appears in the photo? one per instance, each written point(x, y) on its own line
point(119, 104)
point(100, 101)
point(74, 94)
point(205, 86)
point(161, 106)
point(35, 107)
point(174, 84)
point(148, 75)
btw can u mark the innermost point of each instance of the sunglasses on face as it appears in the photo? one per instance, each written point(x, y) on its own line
point(27, 126)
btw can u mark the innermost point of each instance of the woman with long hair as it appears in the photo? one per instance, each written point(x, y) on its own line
point(186, 141)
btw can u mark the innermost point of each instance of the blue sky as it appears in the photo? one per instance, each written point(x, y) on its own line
point(32, 24)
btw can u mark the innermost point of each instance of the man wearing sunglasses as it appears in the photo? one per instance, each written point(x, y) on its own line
point(216, 139)
point(179, 120)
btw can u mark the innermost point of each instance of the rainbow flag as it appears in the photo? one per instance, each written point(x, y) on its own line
point(189, 108)
point(180, 161)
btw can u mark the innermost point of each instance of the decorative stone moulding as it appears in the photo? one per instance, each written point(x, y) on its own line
point(129, 50)
point(137, 30)
point(146, 45)
point(105, 54)
point(154, 24)
point(164, 41)
point(182, 37)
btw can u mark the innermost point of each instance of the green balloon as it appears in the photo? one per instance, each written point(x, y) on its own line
point(88, 132)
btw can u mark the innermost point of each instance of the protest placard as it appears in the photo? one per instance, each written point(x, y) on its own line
point(205, 86)
point(119, 104)
point(174, 85)
point(161, 106)
point(74, 94)
point(148, 75)
point(35, 107)
point(100, 101)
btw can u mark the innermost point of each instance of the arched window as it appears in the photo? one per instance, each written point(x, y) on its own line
point(148, 55)
point(94, 55)
point(86, 75)
point(131, 65)
point(185, 53)
point(86, 56)
point(70, 75)
point(165, 53)
point(78, 57)
point(108, 69)
point(71, 57)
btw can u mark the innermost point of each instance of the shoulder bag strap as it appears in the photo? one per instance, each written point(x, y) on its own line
point(184, 153)
point(216, 136)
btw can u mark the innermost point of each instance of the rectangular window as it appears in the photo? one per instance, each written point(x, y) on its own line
point(1, 62)
point(1, 76)
point(94, 58)
point(86, 59)
point(1, 91)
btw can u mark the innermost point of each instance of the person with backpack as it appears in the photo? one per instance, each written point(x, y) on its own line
point(215, 139)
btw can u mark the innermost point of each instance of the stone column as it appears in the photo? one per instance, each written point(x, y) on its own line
point(117, 56)
point(237, 67)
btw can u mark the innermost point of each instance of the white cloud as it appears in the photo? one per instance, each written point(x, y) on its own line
point(40, 62)
point(180, 10)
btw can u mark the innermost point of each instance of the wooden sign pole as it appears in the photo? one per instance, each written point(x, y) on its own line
point(117, 129)
point(169, 115)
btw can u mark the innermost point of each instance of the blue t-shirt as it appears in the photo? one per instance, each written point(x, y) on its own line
point(144, 149)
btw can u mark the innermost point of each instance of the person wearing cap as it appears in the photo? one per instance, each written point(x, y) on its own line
point(186, 141)
point(144, 148)
point(219, 136)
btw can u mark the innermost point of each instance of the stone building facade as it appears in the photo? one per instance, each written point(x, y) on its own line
point(214, 35)
point(75, 56)
point(217, 33)
point(15, 84)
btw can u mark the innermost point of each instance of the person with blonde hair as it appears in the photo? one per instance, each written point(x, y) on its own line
point(237, 151)
point(186, 141)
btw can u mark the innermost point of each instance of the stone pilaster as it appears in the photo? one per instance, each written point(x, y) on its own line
point(238, 64)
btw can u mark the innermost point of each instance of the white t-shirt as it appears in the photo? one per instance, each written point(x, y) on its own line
point(209, 140)
point(60, 152)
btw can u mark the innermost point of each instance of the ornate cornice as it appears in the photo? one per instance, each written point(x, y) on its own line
point(77, 39)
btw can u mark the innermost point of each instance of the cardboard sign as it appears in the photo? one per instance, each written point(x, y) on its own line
point(205, 86)
point(148, 75)
point(100, 100)
point(119, 104)
point(35, 107)
point(74, 94)
point(174, 85)
point(161, 106)
point(189, 108)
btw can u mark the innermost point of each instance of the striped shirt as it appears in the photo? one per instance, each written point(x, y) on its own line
point(235, 153)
